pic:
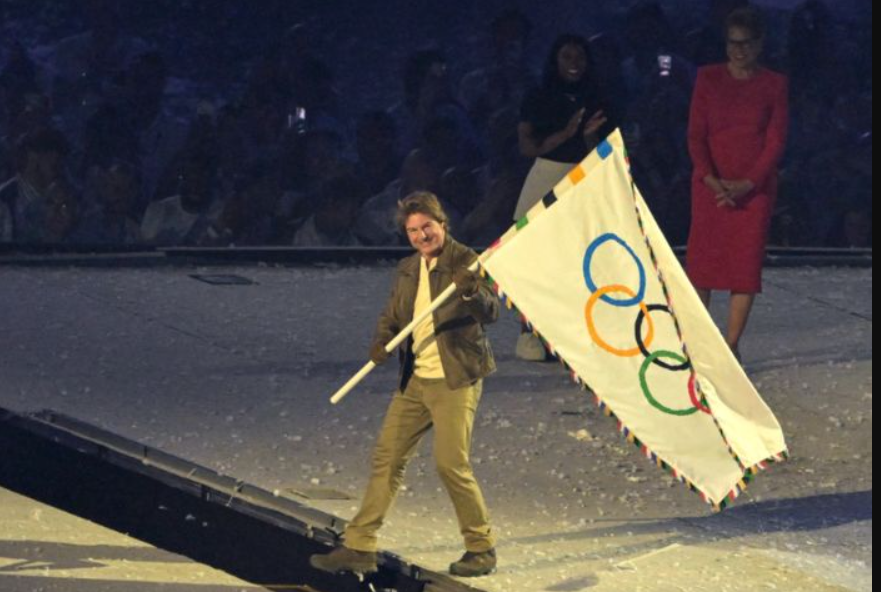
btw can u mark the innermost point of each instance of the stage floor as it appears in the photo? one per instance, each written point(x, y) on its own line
point(237, 377)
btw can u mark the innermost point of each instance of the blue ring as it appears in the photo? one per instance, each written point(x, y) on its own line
point(588, 256)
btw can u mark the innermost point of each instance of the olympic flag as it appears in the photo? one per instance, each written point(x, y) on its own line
point(591, 272)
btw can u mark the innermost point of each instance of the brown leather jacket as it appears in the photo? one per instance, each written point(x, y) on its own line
point(465, 352)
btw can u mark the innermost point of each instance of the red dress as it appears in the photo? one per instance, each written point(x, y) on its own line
point(736, 130)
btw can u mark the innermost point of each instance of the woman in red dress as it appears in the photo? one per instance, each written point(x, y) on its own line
point(736, 135)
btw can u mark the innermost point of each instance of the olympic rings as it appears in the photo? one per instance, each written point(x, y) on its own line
point(636, 298)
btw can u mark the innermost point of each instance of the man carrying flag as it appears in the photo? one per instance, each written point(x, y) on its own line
point(442, 368)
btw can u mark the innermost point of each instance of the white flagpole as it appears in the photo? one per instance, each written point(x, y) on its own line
point(399, 338)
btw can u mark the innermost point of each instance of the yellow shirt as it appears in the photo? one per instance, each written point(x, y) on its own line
point(428, 362)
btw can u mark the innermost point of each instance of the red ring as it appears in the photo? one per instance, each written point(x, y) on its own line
point(693, 395)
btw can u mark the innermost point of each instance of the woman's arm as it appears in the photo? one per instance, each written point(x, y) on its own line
point(531, 147)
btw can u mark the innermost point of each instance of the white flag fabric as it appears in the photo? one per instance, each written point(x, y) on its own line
point(591, 272)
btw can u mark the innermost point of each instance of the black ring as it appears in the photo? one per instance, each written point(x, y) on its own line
point(677, 367)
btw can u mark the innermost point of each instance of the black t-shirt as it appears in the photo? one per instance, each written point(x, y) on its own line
point(548, 110)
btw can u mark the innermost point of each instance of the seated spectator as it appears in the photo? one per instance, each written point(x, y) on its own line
point(460, 192)
point(230, 146)
point(853, 229)
point(438, 152)
point(263, 125)
point(437, 166)
point(309, 162)
point(790, 224)
point(202, 141)
point(828, 159)
point(39, 163)
point(159, 134)
point(33, 112)
point(62, 211)
point(248, 215)
point(333, 222)
point(852, 223)
point(375, 222)
point(185, 218)
point(428, 94)
point(111, 199)
point(505, 174)
point(108, 137)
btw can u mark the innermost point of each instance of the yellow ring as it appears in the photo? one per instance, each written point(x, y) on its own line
point(591, 328)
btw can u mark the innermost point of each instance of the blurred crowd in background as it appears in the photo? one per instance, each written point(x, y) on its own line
point(303, 123)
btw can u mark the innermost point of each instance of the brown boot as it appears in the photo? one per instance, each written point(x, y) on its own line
point(343, 559)
point(475, 564)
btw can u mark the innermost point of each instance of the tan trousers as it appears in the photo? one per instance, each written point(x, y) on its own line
point(423, 404)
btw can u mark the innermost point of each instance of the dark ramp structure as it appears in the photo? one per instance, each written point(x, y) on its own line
point(185, 508)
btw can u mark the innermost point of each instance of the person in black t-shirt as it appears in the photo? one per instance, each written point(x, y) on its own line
point(561, 121)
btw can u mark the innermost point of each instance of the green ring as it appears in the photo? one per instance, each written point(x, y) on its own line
point(645, 387)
